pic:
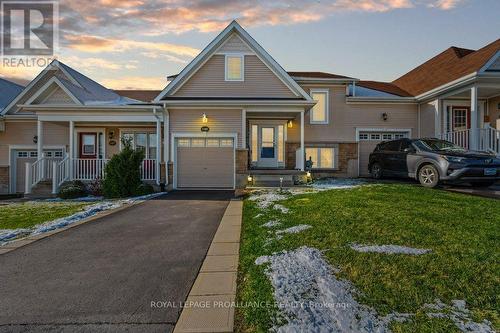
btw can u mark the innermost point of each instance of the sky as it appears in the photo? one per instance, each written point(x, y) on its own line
point(136, 44)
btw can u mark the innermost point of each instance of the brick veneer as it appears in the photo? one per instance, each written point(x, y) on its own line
point(241, 161)
point(4, 179)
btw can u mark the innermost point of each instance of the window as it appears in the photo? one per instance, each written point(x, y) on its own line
point(281, 144)
point(391, 146)
point(22, 154)
point(375, 136)
point(399, 135)
point(143, 141)
point(197, 142)
point(459, 119)
point(322, 158)
point(319, 112)
point(88, 144)
point(212, 143)
point(363, 136)
point(234, 67)
point(226, 142)
point(255, 153)
point(183, 142)
point(387, 136)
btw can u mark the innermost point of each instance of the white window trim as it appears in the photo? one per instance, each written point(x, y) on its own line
point(135, 131)
point(235, 55)
point(327, 106)
point(318, 154)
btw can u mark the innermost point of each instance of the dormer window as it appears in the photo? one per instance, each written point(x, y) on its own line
point(234, 67)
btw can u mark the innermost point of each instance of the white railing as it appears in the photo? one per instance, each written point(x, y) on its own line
point(460, 138)
point(88, 168)
point(489, 139)
point(34, 174)
point(60, 173)
point(148, 169)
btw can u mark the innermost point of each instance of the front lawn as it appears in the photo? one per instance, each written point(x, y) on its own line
point(29, 214)
point(461, 231)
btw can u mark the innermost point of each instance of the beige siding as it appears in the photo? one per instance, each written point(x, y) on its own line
point(494, 111)
point(235, 44)
point(209, 81)
point(219, 121)
point(22, 133)
point(427, 120)
point(345, 118)
point(59, 96)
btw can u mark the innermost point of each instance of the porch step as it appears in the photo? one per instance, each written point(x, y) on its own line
point(42, 190)
point(275, 180)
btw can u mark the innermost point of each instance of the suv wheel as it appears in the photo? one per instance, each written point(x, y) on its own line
point(428, 176)
point(483, 183)
point(376, 171)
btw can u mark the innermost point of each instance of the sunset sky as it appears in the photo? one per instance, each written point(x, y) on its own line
point(137, 43)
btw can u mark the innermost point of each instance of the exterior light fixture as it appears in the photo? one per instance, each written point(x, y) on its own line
point(249, 179)
point(385, 116)
point(289, 123)
point(204, 118)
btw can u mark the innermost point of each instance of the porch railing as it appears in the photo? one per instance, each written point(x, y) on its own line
point(148, 169)
point(88, 168)
point(488, 139)
point(460, 138)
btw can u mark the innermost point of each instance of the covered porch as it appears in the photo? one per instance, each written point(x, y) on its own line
point(470, 117)
point(91, 142)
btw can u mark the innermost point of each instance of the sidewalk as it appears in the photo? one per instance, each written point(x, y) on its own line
point(208, 305)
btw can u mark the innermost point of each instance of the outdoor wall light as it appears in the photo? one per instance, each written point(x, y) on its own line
point(111, 134)
point(204, 118)
point(35, 139)
point(249, 179)
point(385, 116)
point(289, 123)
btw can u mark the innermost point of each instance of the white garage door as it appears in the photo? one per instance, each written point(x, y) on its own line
point(24, 156)
point(368, 141)
point(205, 162)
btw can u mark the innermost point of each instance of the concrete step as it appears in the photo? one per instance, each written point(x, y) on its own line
point(273, 180)
point(41, 190)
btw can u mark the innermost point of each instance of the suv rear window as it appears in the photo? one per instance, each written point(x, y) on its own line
point(389, 146)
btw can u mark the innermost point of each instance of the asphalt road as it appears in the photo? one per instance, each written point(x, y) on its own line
point(103, 276)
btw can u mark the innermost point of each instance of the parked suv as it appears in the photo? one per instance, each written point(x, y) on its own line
point(431, 161)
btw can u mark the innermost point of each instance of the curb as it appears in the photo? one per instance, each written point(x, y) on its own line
point(18, 243)
point(209, 305)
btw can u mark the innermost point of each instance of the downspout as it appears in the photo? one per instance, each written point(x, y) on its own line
point(419, 123)
point(166, 120)
point(158, 146)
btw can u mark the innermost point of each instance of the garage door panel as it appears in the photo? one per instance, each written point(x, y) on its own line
point(199, 167)
point(365, 149)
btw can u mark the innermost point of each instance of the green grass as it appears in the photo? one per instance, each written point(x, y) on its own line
point(26, 215)
point(462, 231)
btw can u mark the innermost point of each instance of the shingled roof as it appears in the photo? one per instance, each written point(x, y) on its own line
point(447, 66)
point(386, 87)
point(140, 95)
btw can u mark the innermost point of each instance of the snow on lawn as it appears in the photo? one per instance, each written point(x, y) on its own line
point(460, 315)
point(337, 183)
point(294, 230)
point(312, 299)
point(389, 249)
point(272, 224)
point(91, 210)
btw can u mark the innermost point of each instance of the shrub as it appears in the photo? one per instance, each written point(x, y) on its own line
point(71, 190)
point(144, 189)
point(95, 187)
point(123, 175)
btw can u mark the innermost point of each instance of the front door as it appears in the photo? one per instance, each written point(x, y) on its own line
point(268, 157)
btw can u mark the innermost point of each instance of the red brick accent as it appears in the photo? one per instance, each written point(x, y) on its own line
point(4, 179)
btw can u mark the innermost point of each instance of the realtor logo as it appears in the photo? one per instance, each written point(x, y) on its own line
point(29, 28)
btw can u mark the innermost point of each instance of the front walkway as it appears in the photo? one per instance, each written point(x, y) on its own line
point(126, 271)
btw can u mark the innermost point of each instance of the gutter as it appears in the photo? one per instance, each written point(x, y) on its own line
point(381, 100)
point(241, 103)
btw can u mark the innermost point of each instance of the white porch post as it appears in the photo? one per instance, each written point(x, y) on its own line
point(474, 124)
point(437, 118)
point(71, 147)
point(302, 150)
point(39, 148)
point(166, 136)
point(243, 129)
point(158, 150)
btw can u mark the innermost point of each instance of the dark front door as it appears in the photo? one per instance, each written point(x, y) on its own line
point(88, 145)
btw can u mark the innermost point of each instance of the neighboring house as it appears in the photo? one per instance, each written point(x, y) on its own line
point(234, 112)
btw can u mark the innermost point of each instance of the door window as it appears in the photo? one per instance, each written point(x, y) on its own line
point(88, 144)
point(459, 119)
point(267, 145)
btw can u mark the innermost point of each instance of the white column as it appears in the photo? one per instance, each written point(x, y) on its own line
point(302, 150)
point(437, 118)
point(166, 142)
point(158, 150)
point(27, 179)
point(474, 124)
point(71, 147)
point(243, 129)
point(39, 133)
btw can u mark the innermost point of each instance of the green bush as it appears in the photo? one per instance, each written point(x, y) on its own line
point(73, 189)
point(144, 189)
point(123, 175)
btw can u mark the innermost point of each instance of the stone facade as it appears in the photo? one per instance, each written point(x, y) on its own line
point(241, 167)
point(290, 150)
point(4, 179)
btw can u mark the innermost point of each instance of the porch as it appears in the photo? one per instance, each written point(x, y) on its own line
point(470, 118)
point(88, 148)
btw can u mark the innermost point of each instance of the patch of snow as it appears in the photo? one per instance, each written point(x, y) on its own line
point(294, 230)
point(258, 215)
point(337, 183)
point(8, 235)
point(89, 198)
point(459, 315)
point(281, 208)
point(271, 224)
point(266, 199)
point(312, 299)
point(389, 249)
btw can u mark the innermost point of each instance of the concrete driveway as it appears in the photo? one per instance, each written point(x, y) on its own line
point(104, 275)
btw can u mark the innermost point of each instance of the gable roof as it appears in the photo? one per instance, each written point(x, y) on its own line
point(318, 75)
point(208, 51)
point(80, 87)
point(8, 91)
point(446, 67)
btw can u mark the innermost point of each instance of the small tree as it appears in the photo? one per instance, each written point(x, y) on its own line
point(123, 173)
